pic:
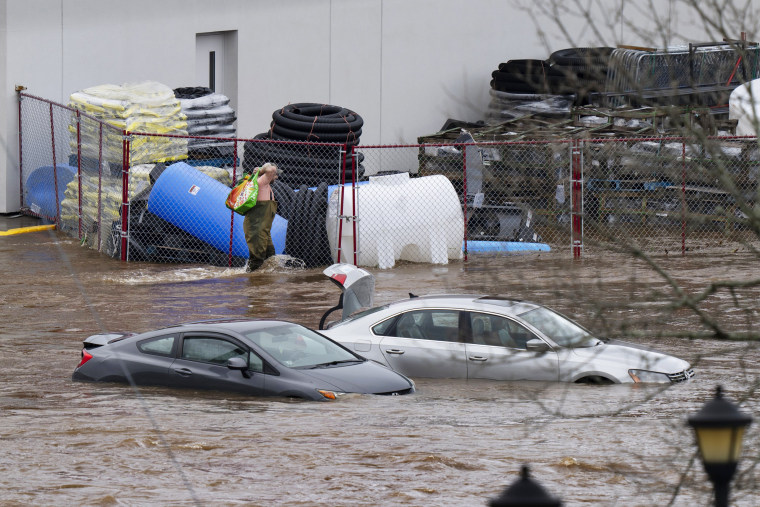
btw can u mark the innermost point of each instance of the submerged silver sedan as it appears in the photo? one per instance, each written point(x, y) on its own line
point(486, 337)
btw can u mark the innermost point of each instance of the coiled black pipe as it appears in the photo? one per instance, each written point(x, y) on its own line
point(289, 144)
point(306, 236)
point(307, 121)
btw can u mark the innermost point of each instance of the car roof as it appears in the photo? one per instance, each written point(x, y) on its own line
point(501, 304)
point(235, 325)
point(230, 324)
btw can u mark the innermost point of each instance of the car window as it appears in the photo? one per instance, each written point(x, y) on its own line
point(297, 346)
point(256, 364)
point(160, 346)
point(563, 331)
point(385, 327)
point(489, 329)
point(211, 350)
point(440, 325)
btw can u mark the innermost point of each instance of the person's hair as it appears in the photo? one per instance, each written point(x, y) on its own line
point(269, 167)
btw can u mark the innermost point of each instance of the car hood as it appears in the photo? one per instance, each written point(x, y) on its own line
point(632, 357)
point(364, 378)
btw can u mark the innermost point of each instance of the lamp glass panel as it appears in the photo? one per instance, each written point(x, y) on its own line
point(720, 445)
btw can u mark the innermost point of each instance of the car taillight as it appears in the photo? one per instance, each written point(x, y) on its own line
point(86, 356)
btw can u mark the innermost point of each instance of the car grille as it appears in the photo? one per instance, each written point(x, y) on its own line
point(398, 393)
point(681, 375)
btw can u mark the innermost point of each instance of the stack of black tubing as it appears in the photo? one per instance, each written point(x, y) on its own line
point(584, 70)
point(306, 213)
point(575, 71)
point(321, 123)
point(525, 76)
point(292, 128)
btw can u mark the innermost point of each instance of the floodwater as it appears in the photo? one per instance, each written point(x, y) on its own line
point(451, 443)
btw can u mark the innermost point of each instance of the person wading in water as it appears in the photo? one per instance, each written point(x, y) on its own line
point(258, 221)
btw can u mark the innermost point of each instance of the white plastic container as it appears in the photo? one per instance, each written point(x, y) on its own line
point(399, 218)
point(744, 106)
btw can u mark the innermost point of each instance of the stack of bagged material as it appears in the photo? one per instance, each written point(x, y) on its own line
point(509, 106)
point(100, 200)
point(147, 107)
point(208, 115)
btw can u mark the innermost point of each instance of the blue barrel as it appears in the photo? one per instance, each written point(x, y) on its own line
point(194, 202)
point(39, 188)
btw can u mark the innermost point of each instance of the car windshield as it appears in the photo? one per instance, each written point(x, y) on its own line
point(299, 347)
point(560, 329)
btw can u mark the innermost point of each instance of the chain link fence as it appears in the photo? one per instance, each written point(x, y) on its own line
point(84, 199)
point(457, 199)
point(672, 194)
point(159, 197)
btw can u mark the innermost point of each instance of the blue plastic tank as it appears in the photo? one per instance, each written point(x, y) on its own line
point(194, 202)
point(39, 188)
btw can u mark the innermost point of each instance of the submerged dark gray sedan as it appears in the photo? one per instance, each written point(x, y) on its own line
point(256, 357)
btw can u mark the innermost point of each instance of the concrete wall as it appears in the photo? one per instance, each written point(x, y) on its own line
point(6, 125)
point(404, 65)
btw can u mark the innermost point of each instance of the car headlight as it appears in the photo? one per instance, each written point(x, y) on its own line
point(648, 376)
point(330, 395)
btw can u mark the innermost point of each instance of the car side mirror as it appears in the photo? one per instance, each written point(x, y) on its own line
point(238, 363)
point(536, 345)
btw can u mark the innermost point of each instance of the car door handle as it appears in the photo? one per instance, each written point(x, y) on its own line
point(478, 358)
point(394, 351)
point(185, 372)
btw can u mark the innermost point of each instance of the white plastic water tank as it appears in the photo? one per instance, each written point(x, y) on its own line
point(399, 218)
point(744, 106)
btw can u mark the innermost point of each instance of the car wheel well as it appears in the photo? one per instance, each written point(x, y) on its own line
point(594, 379)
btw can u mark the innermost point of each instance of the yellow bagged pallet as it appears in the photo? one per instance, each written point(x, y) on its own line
point(148, 107)
point(145, 93)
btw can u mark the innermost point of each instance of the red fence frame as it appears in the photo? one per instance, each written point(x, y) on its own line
point(576, 147)
point(576, 198)
point(78, 115)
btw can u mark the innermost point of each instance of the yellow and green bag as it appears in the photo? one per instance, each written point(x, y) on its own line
point(243, 195)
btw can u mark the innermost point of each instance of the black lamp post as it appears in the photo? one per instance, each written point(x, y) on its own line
point(525, 492)
point(719, 427)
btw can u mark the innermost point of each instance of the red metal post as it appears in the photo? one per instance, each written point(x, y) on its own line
point(340, 224)
point(232, 213)
point(124, 193)
point(79, 177)
point(464, 197)
point(683, 198)
point(342, 180)
point(354, 198)
point(100, 181)
point(576, 195)
point(55, 169)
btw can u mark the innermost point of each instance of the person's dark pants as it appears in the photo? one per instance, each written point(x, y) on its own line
point(258, 233)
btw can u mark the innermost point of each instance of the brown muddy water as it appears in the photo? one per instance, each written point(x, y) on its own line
point(451, 443)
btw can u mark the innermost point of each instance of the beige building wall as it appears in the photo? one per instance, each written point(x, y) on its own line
point(404, 65)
